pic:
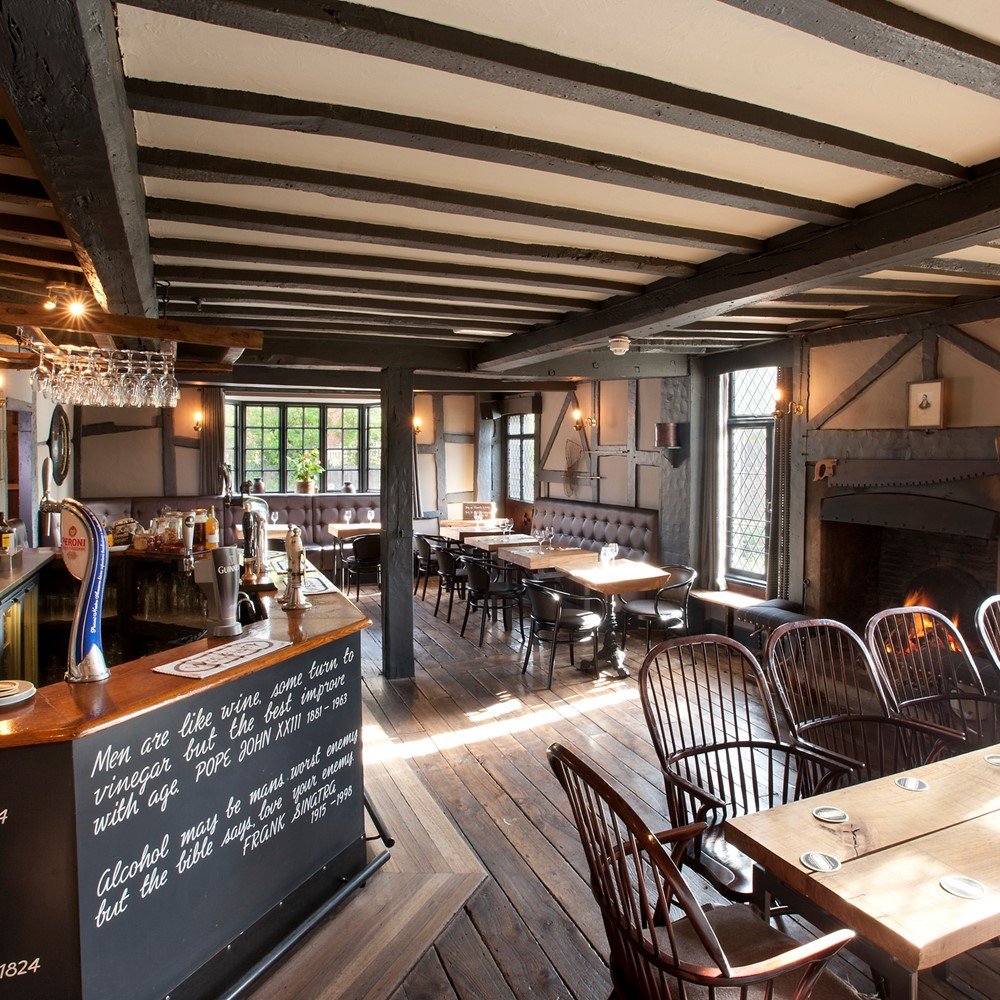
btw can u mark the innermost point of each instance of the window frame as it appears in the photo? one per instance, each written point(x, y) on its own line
point(521, 436)
point(739, 574)
point(365, 467)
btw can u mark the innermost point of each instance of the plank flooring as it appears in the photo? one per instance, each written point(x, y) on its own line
point(475, 731)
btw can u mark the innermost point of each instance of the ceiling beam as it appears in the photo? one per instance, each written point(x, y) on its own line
point(39, 256)
point(61, 74)
point(234, 291)
point(482, 145)
point(17, 190)
point(348, 231)
point(108, 324)
point(954, 265)
point(313, 379)
point(321, 330)
point(250, 314)
point(387, 35)
point(929, 224)
point(350, 353)
point(913, 286)
point(211, 299)
point(893, 34)
point(174, 164)
point(719, 325)
point(28, 229)
point(9, 146)
point(965, 312)
point(403, 267)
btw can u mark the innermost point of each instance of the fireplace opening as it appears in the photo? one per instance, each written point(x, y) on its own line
point(953, 592)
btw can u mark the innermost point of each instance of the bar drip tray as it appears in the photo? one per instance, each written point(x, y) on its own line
point(12, 692)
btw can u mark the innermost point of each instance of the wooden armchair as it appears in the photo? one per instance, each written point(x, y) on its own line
point(832, 699)
point(714, 954)
point(719, 749)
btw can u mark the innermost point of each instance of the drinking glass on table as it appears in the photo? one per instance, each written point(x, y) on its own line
point(348, 514)
point(371, 515)
point(539, 535)
point(613, 549)
point(478, 516)
point(550, 534)
point(274, 517)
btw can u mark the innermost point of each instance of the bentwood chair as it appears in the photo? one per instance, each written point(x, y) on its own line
point(365, 560)
point(927, 671)
point(426, 560)
point(557, 616)
point(988, 627)
point(716, 953)
point(487, 592)
point(667, 609)
point(715, 733)
point(452, 576)
point(831, 697)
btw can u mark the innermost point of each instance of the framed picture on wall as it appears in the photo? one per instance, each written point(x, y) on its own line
point(925, 404)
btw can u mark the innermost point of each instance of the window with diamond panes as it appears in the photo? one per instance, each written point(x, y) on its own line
point(519, 433)
point(750, 432)
point(343, 446)
point(262, 448)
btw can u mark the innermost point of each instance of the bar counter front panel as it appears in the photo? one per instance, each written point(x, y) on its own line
point(148, 822)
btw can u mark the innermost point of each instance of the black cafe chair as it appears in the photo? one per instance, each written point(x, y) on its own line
point(365, 560)
point(452, 576)
point(666, 610)
point(488, 592)
point(427, 565)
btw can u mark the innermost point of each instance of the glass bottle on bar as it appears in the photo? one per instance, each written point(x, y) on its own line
point(6, 536)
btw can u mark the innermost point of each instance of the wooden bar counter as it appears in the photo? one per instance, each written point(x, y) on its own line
point(167, 835)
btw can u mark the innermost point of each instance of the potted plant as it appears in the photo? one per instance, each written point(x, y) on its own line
point(306, 468)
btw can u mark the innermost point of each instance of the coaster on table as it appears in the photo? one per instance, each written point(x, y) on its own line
point(963, 887)
point(830, 814)
point(912, 784)
point(13, 692)
point(994, 759)
point(816, 861)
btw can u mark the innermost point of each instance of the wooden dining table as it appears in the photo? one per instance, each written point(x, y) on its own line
point(458, 532)
point(494, 543)
point(612, 579)
point(535, 556)
point(894, 850)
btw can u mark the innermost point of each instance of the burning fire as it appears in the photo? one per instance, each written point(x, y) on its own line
point(925, 628)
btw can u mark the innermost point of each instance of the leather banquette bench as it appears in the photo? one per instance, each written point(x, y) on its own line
point(312, 512)
point(591, 525)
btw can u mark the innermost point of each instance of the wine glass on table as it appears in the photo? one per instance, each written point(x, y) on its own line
point(371, 515)
point(539, 536)
point(274, 517)
point(348, 515)
point(550, 534)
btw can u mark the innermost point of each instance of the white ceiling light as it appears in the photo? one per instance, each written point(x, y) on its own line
point(619, 345)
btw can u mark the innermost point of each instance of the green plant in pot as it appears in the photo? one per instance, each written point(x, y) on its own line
point(307, 468)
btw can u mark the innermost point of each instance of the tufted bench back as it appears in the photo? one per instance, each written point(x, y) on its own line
point(591, 525)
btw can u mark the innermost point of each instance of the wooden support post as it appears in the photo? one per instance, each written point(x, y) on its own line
point(397, 522)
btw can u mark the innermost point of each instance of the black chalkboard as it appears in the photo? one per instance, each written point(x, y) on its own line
point(193, 820)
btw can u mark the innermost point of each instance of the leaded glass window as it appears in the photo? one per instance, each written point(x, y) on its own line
point(519, 434)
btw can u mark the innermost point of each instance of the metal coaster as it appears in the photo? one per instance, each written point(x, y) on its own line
point(965, 888)
point(830, 814)
point(13, 692)
point(913, 784)
point(816, 861)
point(994, 759)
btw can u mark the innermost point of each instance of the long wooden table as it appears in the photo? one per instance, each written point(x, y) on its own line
point(458, 532)
point(494, 543)
point(532, 557)
point(894, 851)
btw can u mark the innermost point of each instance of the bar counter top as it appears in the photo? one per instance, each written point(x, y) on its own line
point(30, 562)
point(61, 711)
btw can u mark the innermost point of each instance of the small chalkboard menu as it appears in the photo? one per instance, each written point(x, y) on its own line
point(470, 510)
point(192, 821)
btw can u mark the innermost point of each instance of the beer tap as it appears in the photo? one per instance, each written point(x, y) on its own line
point(49, 511)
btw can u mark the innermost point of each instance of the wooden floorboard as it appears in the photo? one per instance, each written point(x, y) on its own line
point(469, 732)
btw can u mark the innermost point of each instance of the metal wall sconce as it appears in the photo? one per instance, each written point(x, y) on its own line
point(579, 422)
point(667, 438)
point(781, 408)
point(198, 421)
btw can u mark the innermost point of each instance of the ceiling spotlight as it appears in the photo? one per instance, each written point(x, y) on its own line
point(619, 345)
point(49, 304)
point(76, 308)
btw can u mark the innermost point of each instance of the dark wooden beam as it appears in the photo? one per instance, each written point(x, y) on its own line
point(169, 456)
point(17, 190)
point(929, 355)
point(377, 337)
point(61, 74)
point(209, 299)
point(486, 145)
point(890, 32)
point(39, 256)
point(874, 372)
point(202, 168)
point(719, 325)
point(28, 229)
point(356, 320)
point(353, 352)
point(402, 267)
point(789, 311)
point(867, 298)
point(9, 146)
point(341, 230)
point(240, 285)
point(953, 265)
point(375, 32)
point(975, 348)
point(396, 505)
point(914, 286)
point(963, 312)
point(107, 324)
point(932, 223)
point(325, 379)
